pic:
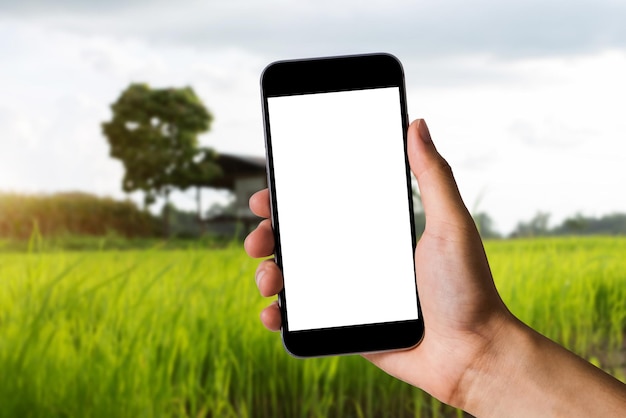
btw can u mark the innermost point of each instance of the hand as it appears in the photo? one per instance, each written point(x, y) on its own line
point(460, 304)
point(472, 344)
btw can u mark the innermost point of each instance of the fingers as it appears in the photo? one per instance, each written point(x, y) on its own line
point(260, 242)
point(439, 192)
point(269, 280)
point(260, 203)
point(270, 317)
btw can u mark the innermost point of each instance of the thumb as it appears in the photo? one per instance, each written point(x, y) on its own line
point(442, 202)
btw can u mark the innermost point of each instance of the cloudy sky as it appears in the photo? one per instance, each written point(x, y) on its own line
point(526, 99)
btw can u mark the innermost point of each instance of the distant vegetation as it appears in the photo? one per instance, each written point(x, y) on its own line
point(76, 214)
point(72, 214)
point(539, 225)
point(81, 221)
point(612, 224)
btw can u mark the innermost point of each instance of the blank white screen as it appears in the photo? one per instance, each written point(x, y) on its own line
point(343, 211)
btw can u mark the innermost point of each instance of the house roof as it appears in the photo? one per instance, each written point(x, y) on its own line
point(235, 167)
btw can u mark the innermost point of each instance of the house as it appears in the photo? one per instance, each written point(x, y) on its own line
point(243, 176)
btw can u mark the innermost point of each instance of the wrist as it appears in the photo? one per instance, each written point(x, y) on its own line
point(523, 373)
point(509, 348)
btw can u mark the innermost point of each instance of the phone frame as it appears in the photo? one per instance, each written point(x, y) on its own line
point(323, 75)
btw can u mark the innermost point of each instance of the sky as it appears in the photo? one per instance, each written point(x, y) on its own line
point(525, 99)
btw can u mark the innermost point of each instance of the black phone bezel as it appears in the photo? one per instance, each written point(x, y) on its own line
point(323, 75)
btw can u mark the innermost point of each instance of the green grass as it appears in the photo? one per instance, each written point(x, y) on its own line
point(571, 289)
point(155, 333)
point(111, 241)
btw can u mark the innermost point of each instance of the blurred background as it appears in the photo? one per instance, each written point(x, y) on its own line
point(126, 122)
point(525, 99)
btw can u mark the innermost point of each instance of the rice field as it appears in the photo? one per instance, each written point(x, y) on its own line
point(175, 333)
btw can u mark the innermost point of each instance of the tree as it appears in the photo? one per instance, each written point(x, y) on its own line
point(611, 224)
point(536, 227)
point(154, 133)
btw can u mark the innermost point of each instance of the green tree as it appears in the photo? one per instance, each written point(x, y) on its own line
point(536, 227)
point(154, 133)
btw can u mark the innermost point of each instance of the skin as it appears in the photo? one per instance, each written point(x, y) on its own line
point(475, 354)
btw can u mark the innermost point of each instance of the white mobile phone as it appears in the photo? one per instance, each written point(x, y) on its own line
point(341, 200)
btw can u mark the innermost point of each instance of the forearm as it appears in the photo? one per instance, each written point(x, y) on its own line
point(527, 375)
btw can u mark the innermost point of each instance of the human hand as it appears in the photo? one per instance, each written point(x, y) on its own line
point(460, 304)
point(475, 354)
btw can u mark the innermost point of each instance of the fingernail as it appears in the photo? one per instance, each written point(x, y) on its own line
point(422, 128)
point(258, 276)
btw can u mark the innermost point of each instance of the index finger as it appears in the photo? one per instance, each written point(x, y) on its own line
point(260, 203)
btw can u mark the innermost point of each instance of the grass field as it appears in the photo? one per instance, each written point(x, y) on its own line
point(175, 333)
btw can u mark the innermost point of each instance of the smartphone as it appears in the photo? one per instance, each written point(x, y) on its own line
point(341, 204)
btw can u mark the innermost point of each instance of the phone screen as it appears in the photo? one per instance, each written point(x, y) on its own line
point(342, 208)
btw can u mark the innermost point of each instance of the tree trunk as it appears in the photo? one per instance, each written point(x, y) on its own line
point(166, 214)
